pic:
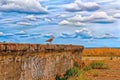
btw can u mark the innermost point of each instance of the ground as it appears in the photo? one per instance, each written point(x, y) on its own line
point(113, 73)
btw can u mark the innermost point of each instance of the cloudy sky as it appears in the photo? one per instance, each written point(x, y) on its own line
point(92, 23)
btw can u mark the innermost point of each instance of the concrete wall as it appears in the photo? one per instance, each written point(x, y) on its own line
point(36, 62)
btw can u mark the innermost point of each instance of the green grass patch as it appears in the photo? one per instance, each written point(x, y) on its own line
point(72, 72)
point(96, 65)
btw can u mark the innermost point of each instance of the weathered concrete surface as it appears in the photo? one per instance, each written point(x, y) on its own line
point(35, 61)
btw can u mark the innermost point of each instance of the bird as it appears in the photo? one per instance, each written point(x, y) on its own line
point(50, 39)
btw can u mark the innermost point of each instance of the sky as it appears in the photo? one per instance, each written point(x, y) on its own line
point(91, 23)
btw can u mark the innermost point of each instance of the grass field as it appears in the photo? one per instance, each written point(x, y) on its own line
point(101, 52)
point(112, 73)
point(100, 64)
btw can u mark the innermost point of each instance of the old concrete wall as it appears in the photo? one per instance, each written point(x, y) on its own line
point(36, 62)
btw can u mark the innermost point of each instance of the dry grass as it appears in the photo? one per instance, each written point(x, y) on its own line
point(110, 57)
point(113, 73)
point(101, 52)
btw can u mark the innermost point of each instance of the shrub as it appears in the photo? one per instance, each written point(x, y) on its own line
point(95, 65)
point(75, 71)
point(86, 68)
point(76, 64)
point(79, 64)
point(58, 78)
point(72, 72)
point(98, 65)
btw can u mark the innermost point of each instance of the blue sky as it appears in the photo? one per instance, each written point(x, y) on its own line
point(92, 23)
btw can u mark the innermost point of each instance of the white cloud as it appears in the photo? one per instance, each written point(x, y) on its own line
point(31, 17)
point(103, 1)
point(30, 6)
point(117, 15)
point(48, 35)
point(64, 22)
point(79, 24)
point(83, 33)
point(78, 18)
point(84, 30)
point(106, 36)
point(63, 15)
point(24, 23)
point(94, 17)
point(67, 22)
point(68, 35)
point(101, 17)
point(1, 33)
point(21, 33)
point(42, 0)
point(34, 18)
point(79, 5)
point(47, 20)
point(114, 11)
